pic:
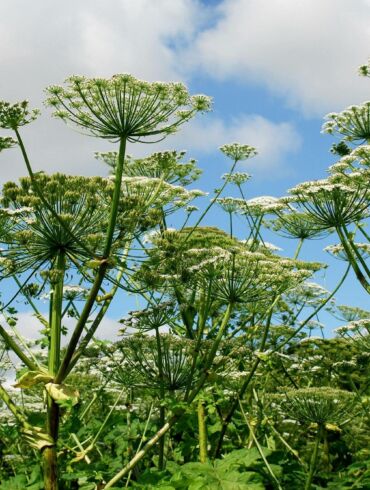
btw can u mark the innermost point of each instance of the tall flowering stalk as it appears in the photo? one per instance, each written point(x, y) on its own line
point(121, 109)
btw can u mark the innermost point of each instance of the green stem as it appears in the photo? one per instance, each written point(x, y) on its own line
point(95, 324)
point(49, 454)
point(364, 233)
point(303, 324)
point(245, 385)
point(355, 249)
point(140, 454)
point(313, 459)
point(56, 317)
point(116, 196)
point(352, 261)
point(27, 296)
point(211, 355)
point(202, 432)
point(211, 203)
point(13, 408)
point(64, 368)
point(12, 345)
point(162, 410)
point(299, 246)
point(259, 448)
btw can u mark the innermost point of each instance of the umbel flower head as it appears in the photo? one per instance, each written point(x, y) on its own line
point(140, 364)
point(151, 318)
point(320, 406)
point(353, 123)
point(211, 259)
point(6, 143)
point(230, 204)
point(237, 178)
point(331, 202)
point(166, 165)
point(12, 116)
point(339, 252)
point(357, 331)
point(262, 205)
point(124, 107)
point(145, 200)
point(238, 152)
point(37, 237)
point(296, 225)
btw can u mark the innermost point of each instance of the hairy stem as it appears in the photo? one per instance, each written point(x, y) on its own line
point(202, 432)
point(49, 454)
point(313, 459)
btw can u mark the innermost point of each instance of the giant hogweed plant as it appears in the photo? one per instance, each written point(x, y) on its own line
point(340, 202)
point(59, 223)
point(229, 305)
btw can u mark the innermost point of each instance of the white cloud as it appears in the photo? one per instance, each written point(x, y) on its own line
point(45, 41)
point(29, 327)
point(306, 50)
point(275, 141)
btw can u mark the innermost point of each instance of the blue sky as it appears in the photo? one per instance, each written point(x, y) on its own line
point(273, 67)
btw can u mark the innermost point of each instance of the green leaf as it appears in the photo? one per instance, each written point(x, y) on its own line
point(62, 394)
point(31, 378)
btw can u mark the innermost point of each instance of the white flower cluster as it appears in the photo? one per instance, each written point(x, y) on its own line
point(262, 205)
point(338, 250)
point(230, 204)
point(238, 152)
point(12, 116)
point(237, 178)
point(7, 142)
point(157, 192)
point(356, 326)
point(353, 123)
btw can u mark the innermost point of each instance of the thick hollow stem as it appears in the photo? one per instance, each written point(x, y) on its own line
point(352, 261)
point(313, 460)
point(56, 317)
point(116, 196)
point(162, 410)
point(64, 368)
point(52, 424)
point(299, 246)
point(202, 431)
point(12, 345)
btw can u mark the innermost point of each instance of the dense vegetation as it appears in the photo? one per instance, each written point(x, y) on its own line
point(218, 380)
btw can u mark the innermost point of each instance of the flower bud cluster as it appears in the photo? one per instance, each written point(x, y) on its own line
point(238, 152)
point(7, 142)
point(13, 116)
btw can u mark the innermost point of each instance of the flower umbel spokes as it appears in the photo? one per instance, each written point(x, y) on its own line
point(124, 107)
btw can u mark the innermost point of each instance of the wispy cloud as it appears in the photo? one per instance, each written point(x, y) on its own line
point(307, 51)
point(275, 141)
